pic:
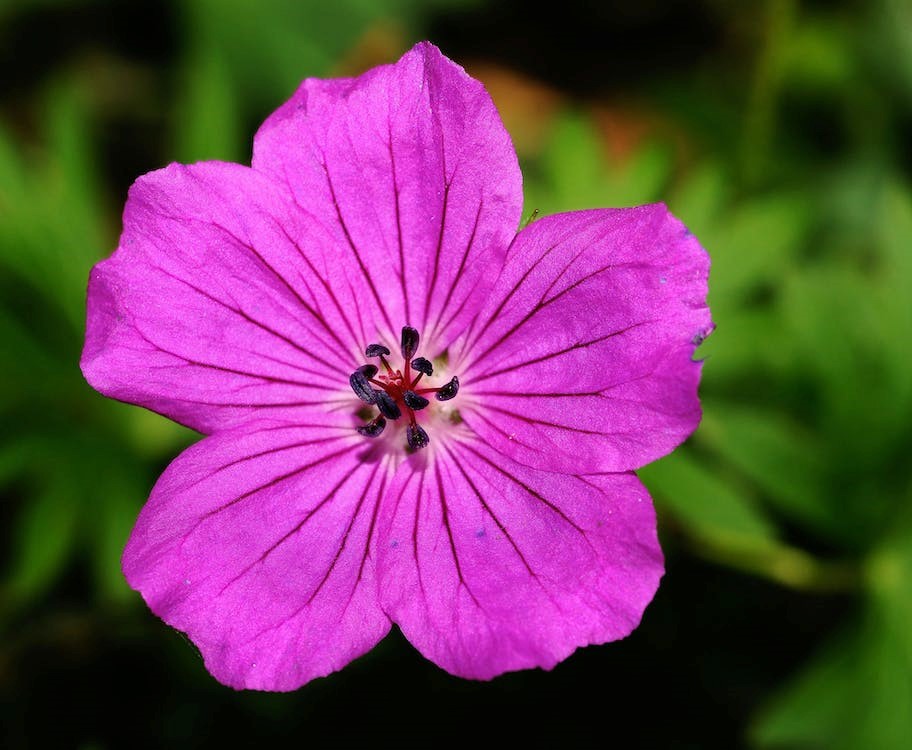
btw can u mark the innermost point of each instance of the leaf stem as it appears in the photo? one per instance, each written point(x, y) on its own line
point(781, 563)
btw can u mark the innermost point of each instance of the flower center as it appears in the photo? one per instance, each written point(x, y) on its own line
point(396, 393)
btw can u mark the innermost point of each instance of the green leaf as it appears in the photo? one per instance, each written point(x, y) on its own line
point(752, 246)
point(819, 56)
point(746, 344)
point(840, 331)
point(894, 229)
point(118, 498)
point(856, 693)
point(208, 120)
point(12, 175)
point(56, 227)
point(268, 47)
point(700, 198)
point(708, 506)
point(888, 39)
point(29, 367)
point(44, 538)
point(820, 708)
point(575, 172)
point(725, 524)
point(150, 435)
point(15, 457)
point(776, 454)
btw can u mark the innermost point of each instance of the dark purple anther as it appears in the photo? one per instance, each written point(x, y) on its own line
point(414, 401)
point(416, 437)
point(409, 342)
point(449, 390)
point(387, 406)
point(423, 365)
point(397, 390)
point(368, 370)
point(361, 387)
point(374, 427)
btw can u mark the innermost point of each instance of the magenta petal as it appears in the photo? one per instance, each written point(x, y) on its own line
point(413, 165)
point(489, 566)
point(491, 512)
point(259, 545)
point(582, 358)
point(209, 308)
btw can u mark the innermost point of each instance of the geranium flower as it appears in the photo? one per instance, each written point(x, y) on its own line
point(414, 414)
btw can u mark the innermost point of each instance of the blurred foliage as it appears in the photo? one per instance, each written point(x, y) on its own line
point(799, 472)
point(242, 53)
point(797, 182)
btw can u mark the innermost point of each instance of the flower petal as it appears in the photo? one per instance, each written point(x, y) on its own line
point(212, 307)
point(257, 544)
point(582, 358)
point(489, 566)
point(413, 163)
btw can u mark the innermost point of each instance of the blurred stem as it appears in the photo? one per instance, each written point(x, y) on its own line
point(782, 564)
point(759, 119)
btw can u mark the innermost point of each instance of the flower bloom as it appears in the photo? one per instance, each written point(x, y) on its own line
point(413, 413)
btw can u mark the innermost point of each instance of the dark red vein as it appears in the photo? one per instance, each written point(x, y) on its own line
point(354, 296)
point(448, 180)
point(433, 285)
point(537, 308)
point(307, 370)
point(487, 508)
point(462, 265)
point(278, 480)
point(564, 270)
point(322, 439)
point(294, 292)
point(238, 311)
point(403, 275)
point(514, 290)
point(546, 423)
point(525, 487)
point(370, 531)
point(323, 282)
point(353, 247)
point(313, 269)
point(552, 355)
point(261, 405)
point(348, 528)
point(415, 527)
point(497, 428)
point(445, 512)
point(285, 537)
point(231, 370)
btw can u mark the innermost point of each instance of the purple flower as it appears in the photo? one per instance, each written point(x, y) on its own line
point(414, 415)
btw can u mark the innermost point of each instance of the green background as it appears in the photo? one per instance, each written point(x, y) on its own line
point(779, 131)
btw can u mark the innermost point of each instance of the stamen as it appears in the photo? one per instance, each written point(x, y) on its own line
point(387, 406)
point(373, 428)
point(409, 342)
point(416, 437)
point(449, 390)
point(414, 401)
point(368, 370)
point(423, 366)
point(361, 387)
point(396, 391)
